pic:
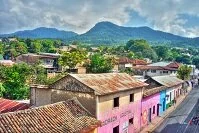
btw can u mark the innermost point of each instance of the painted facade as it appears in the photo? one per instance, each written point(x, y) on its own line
point(121, 116)
point(169, 97)
point(150, 108)
point(162, 106)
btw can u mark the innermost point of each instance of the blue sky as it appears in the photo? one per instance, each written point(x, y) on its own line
point(179, 17)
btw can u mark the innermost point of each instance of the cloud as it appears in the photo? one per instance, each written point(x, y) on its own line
point(76, 15)
point(81, 15)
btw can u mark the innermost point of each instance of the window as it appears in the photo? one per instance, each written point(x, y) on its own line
point(165, 71)
point(132, 97)
point(116, 129)
point(131, 121)
point(116, 102)
point(153, 109)
point(153, 71)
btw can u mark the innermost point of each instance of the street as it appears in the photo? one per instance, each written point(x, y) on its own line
point(177, 121)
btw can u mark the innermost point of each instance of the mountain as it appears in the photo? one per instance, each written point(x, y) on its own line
point(43, 32)
point(108, 33)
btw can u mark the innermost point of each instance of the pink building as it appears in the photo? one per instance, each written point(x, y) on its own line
point(128, 119)
point(150, 108)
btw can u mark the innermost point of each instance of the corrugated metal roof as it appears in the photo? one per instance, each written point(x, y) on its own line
point(160, 64)
point(152, 91)
point(109, 82)
point(168, 81)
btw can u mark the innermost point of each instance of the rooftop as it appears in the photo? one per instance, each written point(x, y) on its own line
point(62, 117)
point(167, 81)
point(107, 83)
point(10, 105)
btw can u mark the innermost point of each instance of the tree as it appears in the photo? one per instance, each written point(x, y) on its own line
point(142, 46)
point(71, 59)
point(14, 81)
point(195, 61)
point(183, 59)
point(184, 72)
point(162, 52)
point(100, 64)
point(2, 90)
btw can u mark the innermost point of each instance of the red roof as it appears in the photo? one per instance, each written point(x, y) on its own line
point(11, 106)
point(62, 117)
point(139, 62)
point(174, 65)
point(125, 60)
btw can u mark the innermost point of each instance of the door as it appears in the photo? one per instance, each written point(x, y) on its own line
point(149, 115)
point(164, 104)
point(157, 110)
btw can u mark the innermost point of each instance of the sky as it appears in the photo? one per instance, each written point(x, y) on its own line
point(180, 17)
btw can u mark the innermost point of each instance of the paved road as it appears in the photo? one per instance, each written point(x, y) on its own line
point(177, 121)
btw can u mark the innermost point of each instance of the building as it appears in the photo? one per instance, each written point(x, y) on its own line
point(167, 87)
point(11, 105)
point(125, 62)
point(113, 98)
point(62, 117)
point(157, 69)
point(48, 60)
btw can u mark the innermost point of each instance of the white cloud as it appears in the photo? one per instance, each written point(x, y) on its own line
point(81, 15)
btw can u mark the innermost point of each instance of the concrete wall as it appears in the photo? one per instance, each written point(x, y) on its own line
point(112, 117)
point(40, 97)
point(158, 73)
point(88, 100)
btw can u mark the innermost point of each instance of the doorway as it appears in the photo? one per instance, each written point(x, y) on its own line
point(149, 115)
point(157, 110)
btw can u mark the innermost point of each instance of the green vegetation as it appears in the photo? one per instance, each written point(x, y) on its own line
point(100, 64)
point(184, 72)
point(71, 59)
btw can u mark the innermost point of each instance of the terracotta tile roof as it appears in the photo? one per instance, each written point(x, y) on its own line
point(174, 65)
point(62, 117)
point(139, 62)
point(107, 83)
point(168, 81)
point(125, 60)
point(10, 105)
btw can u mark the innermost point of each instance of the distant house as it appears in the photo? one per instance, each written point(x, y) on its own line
point(62, 117)
point(48, 60)
point(110, 97)
point(11, 106)
point(157, 69)
point(68, 48)
point(125, 62)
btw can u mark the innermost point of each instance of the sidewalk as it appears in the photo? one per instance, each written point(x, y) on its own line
point(158, 120)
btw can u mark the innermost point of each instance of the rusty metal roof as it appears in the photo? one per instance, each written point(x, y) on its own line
point(168, 81)
point(152, 91)
point(107, 83)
